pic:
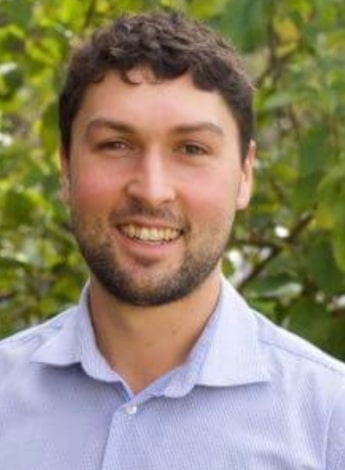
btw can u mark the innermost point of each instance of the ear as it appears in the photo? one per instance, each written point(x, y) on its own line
point(246, 182)
point(65, 174)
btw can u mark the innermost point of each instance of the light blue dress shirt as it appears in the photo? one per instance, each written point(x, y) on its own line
point(251, 396)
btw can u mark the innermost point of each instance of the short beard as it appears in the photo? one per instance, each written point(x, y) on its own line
point(150, 291)
point(202, 254)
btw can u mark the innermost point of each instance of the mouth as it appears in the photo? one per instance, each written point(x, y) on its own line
point(150, 234)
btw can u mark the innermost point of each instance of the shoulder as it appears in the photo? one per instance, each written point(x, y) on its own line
point(312, 382)
point(18, 348)
point(283, 352)
point(288, 350)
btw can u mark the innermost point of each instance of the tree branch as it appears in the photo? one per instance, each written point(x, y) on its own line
point(6, 296)
point(89, 14)
point(275, 250)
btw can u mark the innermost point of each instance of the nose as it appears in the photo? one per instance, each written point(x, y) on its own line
point(151, 181)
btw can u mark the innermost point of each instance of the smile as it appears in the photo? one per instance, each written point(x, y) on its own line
point(150, 234)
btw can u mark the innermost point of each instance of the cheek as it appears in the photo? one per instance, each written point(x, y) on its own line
point(213, 196)
point(92, 190)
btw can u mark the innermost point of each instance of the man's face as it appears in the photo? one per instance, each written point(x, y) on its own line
point(154, 178)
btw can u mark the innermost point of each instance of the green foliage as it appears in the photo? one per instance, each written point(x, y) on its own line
point(287, 253)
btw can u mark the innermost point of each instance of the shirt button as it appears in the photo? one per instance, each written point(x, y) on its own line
point(131, 410)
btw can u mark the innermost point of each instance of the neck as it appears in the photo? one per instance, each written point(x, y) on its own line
point(143, 343)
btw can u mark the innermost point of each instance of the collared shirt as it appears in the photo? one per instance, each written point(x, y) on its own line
point(251, 396)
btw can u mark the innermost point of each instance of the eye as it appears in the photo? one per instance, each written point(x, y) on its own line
point(193, 149)
point(112, 145)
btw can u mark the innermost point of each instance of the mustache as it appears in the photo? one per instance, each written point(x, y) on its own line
point(139, 208)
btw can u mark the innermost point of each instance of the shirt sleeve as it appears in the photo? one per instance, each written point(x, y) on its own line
point(335, 454)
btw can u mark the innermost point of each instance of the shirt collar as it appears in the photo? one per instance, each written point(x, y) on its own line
point(74, 343)
point(228, 353)
point(236, 355)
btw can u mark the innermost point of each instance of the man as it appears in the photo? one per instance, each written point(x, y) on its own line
point(162, 365)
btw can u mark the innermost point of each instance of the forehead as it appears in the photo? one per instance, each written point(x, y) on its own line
point(163, 102)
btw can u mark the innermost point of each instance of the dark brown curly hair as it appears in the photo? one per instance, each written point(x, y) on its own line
point(171, 45)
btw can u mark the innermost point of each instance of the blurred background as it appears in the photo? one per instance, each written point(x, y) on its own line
point(287, 252)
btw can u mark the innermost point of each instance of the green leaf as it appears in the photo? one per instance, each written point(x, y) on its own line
point(12, 78)
point(322, 266)
point(245, 22)
point(339, 245)
point(49, 133)
point(19, 12)
point(280, 100)
point(7, 263)
point(304, 196)
point(314, 150)
point(310, 319)
point(277, 285)
point(17, 208)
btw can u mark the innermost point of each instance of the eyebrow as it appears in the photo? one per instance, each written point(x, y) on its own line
point(180, 129)
point(109, 124)
point(200, 126)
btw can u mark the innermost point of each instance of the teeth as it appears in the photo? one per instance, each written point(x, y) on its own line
point(150, 234)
